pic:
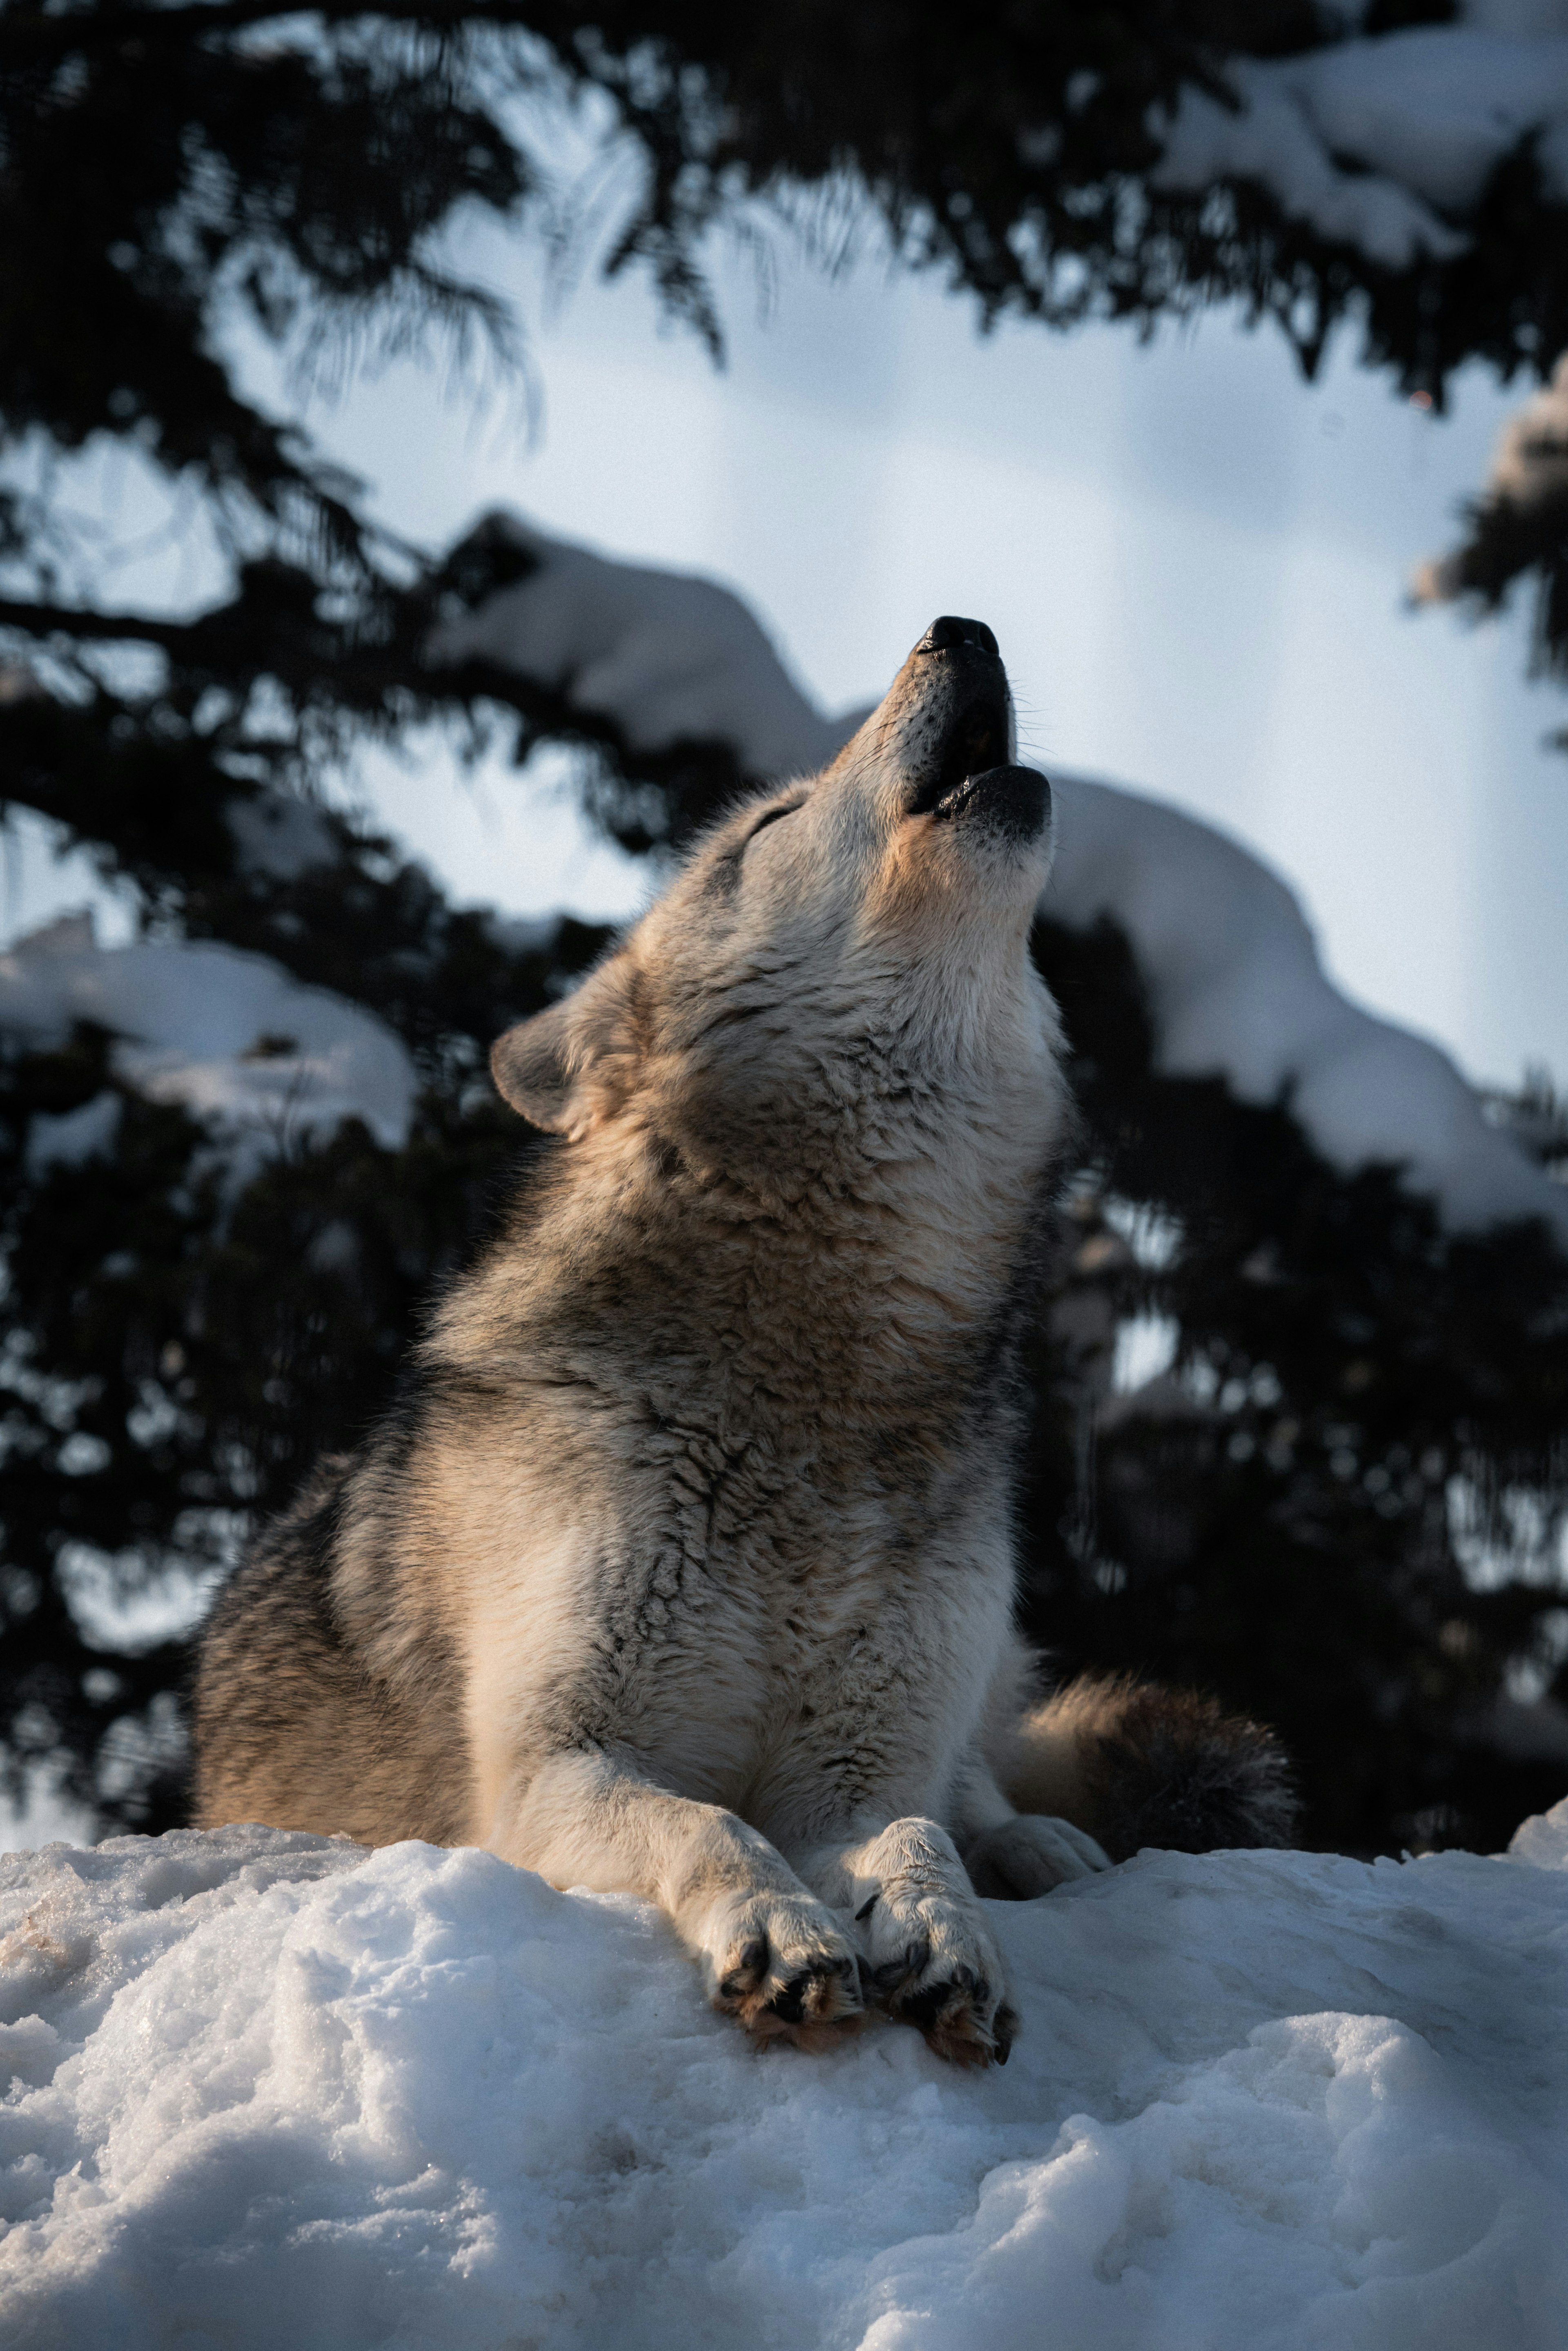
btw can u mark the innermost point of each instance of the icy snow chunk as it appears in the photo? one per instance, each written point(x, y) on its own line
point(231, 1035)
point(271, 2088)
point(1542, 1839)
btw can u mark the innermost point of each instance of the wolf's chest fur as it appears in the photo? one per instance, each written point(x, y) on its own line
point(760, 1442)
point(765, 1356)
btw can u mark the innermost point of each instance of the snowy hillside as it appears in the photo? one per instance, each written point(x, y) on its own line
point(269, 2090)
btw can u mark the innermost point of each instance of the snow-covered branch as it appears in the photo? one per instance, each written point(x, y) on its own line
point(1233, 973)
point(1386, 144)
point(230, 1036)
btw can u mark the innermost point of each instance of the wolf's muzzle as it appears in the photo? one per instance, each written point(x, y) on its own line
point(948, 631)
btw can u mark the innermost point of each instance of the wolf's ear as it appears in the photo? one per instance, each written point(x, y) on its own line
point(570, 1067)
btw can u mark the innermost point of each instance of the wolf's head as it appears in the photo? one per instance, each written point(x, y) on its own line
point(846, 949)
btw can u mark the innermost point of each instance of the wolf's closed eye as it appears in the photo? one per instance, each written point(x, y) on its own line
point(772, 817)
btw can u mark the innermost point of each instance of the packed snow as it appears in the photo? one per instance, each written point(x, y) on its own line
point(1386, 143)
point(1236, 983)
point(230, 1035)
point(268, 2088)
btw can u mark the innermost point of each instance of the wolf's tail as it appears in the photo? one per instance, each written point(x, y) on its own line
point(1138, 1765)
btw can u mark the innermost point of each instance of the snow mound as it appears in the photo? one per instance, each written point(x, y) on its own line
point(230, 1035)
point(1234, 978)
point(1386, 143)
point(271, 2089)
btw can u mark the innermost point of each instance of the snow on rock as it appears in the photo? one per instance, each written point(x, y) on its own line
point(230, 1035)
point(270, 2089)
point(1385, 143)
point(1232, 968)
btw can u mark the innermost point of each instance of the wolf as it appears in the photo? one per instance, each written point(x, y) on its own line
point(685, 1565)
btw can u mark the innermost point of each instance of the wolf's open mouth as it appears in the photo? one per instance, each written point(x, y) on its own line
point(978, 740)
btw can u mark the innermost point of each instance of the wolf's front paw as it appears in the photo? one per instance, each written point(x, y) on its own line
point(780, 1965)
point(933, 1964)
point(1029, 1855)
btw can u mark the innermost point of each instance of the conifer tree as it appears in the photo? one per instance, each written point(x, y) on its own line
point(178, 1345)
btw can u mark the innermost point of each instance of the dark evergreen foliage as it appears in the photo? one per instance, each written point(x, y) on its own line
point(1281, 1522)
point(173, 1359)
point(1507, 541)
point(173, 1350)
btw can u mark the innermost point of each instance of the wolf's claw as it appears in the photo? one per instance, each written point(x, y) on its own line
point(797, 1979)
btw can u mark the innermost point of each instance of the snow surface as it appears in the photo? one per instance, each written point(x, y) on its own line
point(230, 1035)
point(271, 2089)
point(1386, 143)
point(1232, 968)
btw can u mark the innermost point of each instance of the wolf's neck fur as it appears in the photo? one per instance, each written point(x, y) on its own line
point(870, 1271)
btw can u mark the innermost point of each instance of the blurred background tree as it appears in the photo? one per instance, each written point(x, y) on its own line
point(184, 1331)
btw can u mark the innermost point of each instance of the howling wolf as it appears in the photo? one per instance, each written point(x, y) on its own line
point(685, 1565)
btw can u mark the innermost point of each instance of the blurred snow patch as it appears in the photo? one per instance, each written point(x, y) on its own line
point(1385, 143)
point(1145, 1349)
point(268, 2088)
point(230, 1035)
point(279, 834)
point(75, 1136)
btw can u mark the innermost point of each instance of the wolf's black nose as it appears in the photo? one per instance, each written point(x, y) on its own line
point(948, 631)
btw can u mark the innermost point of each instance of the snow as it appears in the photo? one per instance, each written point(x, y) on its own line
point(230, 1035)
point(280, 834)
point(1241, 993)
point(1234, 976)
point(1385, 143)
point(665, 655)
point(1235, 980)
point(269, 2088)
